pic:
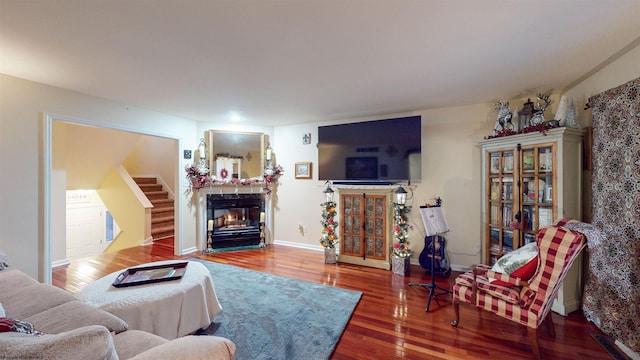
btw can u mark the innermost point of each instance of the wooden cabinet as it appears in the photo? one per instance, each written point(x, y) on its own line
point(530, 181)
point(364, 227)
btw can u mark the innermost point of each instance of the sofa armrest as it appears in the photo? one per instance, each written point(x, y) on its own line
point(89, 342)
point(190, 348)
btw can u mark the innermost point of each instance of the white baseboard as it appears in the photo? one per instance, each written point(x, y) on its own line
point(62, 262)
point(414, 261)
point(190, 250)
point(630, 353)
point(298, 245)
point(460, 268)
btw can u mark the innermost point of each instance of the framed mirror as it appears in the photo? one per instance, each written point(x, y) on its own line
point(235, 154)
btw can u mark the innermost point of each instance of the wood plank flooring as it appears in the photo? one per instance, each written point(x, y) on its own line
point(390, 321)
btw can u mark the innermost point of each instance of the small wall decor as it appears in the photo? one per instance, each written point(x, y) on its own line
point(306, 139)
point(303, 170)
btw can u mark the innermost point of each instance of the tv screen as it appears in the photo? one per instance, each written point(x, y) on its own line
point(381, 151)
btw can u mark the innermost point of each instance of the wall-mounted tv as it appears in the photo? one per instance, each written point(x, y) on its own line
point(380, 151)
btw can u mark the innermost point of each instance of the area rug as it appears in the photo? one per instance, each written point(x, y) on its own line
point(235, 248)
point(275, 317)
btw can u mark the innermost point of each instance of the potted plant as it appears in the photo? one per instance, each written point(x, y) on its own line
point(401, 254)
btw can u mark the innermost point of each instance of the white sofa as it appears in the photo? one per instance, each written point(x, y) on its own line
point(75, 330)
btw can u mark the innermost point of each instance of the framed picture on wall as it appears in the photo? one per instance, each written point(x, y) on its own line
point(303, 170)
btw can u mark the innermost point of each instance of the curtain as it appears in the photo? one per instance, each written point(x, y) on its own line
point(612, 283)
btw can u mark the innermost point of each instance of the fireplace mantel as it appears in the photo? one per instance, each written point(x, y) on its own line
point(201, 214)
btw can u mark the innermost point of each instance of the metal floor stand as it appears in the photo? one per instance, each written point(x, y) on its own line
point(432, 285)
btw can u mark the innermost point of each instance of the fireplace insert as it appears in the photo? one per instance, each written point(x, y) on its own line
point(236, 219)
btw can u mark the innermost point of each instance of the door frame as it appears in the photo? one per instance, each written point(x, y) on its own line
point(47, 120)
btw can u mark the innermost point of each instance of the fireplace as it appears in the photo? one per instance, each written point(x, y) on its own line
point(234, 219)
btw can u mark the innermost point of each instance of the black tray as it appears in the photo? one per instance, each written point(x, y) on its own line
point(150, 274)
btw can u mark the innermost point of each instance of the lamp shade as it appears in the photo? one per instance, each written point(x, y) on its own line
point(328, 194)
point(401, 195)
point(202, 149)
point(268, 152)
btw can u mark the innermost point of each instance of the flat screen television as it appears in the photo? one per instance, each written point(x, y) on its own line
point(380, 151)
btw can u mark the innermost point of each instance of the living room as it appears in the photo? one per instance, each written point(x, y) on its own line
point(451, 157)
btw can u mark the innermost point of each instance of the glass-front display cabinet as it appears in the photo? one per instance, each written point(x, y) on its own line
point(529, 181)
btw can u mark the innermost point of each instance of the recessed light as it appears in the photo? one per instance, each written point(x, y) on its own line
point(235, 117)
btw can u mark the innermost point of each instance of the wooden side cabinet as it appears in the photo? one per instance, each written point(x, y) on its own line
point(530, 181)
point(364, 227)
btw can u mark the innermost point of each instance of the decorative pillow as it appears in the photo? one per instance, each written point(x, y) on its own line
point(21, 326)
point(4, 261)
point(521, 263)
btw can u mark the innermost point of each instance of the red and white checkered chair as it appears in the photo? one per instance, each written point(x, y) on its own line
point(528, 302)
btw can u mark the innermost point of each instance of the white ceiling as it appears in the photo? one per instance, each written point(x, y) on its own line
point(283, 62)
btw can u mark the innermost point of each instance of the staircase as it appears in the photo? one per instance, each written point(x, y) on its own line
point(162, 213)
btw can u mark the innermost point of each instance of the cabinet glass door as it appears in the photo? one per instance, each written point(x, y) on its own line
point(537, 178)
point(375, 225)
point(500, 204)
point(351, 228)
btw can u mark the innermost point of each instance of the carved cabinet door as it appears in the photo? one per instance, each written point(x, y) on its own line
point(364, 226)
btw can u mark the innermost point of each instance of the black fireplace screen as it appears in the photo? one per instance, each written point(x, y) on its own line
point(234, 220)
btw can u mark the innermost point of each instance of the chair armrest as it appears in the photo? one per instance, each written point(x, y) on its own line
point(506, 278)
point(480, 270)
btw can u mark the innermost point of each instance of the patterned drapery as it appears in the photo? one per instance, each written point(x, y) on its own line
point(612, 285)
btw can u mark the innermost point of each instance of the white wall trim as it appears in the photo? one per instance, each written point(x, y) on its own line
point(46, 167)
point(190, 250)
point(58, 263)
point(299, 245)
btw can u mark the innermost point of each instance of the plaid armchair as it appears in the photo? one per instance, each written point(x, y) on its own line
point(527, 302)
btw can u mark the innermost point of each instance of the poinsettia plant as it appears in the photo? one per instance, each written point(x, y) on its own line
point(329, 237)
point(401, 231)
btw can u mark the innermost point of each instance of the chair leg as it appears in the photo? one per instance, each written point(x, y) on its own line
point(550, 328)
point(533, 339)
point(456, 309)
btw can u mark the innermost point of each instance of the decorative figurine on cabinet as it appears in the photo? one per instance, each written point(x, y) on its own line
point(540, 107)
point(503, 123)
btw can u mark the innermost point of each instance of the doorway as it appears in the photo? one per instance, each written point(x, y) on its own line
point(89, 160)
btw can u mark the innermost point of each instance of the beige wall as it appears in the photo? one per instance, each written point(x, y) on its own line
point(154, 156)
point(130, 209)
point(450, 170)
point(451, 163)
point(451, 167)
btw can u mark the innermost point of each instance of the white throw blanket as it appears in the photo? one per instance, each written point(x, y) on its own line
point(169, 309)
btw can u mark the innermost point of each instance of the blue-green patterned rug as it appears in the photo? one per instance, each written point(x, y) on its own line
point(275, 317)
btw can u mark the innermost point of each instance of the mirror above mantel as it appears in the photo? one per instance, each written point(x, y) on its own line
point(232, 154)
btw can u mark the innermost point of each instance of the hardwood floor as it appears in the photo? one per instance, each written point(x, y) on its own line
point(390, 321)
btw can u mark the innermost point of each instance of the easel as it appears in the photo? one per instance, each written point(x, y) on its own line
point(434, 224)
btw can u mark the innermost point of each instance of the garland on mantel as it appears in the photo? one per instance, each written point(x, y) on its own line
point(199, 178)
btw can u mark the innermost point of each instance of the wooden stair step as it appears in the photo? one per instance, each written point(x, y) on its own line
point(162, 212)
point(162, 222)
point(145, 180)
point(150, 187)
point(162, 231)
point(161, 202)
point(157, 195)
